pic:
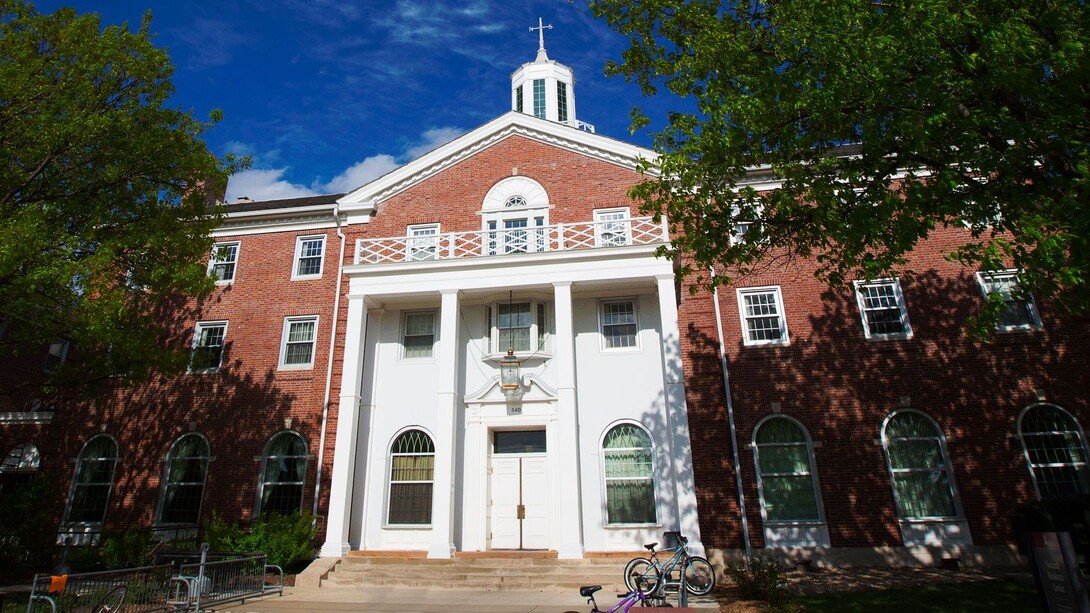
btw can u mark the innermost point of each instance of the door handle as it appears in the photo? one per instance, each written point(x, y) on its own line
point(520, 513)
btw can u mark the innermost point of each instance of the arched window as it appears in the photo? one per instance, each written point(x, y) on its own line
point(918, 467)
point(93, 481)
point(629, 475)
point(1055, 450)
point(183, 487)
point(785, 473)
point(412, 468)
point(283, 473)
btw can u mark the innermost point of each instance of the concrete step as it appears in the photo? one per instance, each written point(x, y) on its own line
point(479, 573)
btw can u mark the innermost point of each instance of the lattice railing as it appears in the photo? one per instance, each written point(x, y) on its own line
point(534, 239)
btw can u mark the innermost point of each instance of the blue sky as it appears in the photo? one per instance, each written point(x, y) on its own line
point(326, 95)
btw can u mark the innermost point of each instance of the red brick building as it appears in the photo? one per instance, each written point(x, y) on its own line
point(353, 363)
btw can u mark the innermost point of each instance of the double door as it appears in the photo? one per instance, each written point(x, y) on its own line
point(519, 492)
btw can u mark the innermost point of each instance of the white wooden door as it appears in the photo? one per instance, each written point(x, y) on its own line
point(518, 512)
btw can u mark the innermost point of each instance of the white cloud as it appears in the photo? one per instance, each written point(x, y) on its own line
point(361, 173)
point(433, 138)
point(261, 184)
point(269, 183)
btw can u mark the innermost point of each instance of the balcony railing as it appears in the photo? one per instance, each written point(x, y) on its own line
point(504, 241)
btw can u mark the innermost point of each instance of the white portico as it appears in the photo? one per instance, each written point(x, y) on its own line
point(589, 451)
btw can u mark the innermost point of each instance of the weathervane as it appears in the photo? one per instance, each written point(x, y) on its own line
point(541, 33)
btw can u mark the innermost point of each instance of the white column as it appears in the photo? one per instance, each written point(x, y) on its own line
point(677, 415)
point(442, 503)
point(348, 418)
point(571, 534)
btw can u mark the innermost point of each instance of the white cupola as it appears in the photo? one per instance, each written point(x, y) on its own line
point(545, 88)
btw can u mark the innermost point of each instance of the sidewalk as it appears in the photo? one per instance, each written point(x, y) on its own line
point(380, 600)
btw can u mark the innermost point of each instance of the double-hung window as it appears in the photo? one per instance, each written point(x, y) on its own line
point(562, 101)
point(919, 467)
point(412, 473)
point(1055, 451)
point(221, 265)
point(882, 307)
point(418, 340)
point(299, 338)
point(763, 320)
point(629, 470)
point(183, 485)
point(208, 344)
point(612, 228)
point(309, 254)
point(1018, 311)
point(539, 98)
point(785, 474)
point(620, 328)
point(283, 474)
point(423, 242)
point(519, 327)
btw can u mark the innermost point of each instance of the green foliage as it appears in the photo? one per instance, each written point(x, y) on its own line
point(759, 578)
point(105, 194)
point(881, 122)
point(27, 532)
point(976, 597)
point(129, 549)
point(287, 539)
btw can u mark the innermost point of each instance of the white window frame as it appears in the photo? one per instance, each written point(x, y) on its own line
point(297, 260)
point(197, 329)
point(284, 336)
point(265, 457)
point(612, 227)
point(959, 514)
point(405, 333)
point(860, 301)
point(1078, 432)
point(166, 481)
point(635, 346)
point(984, 277)
point(53, 359)
point(604, 480)
point(740, 228)
point(74, 488)
point(781, 315)
point(540, 337)
point(214, 261)
point(388, 477)
point(422, 242)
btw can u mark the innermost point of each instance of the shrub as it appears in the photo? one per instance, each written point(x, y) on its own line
point(760, 578)
point(287, 539)
point(129, 549)
point(27, 532)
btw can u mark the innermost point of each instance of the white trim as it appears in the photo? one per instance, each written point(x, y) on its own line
point(288, 321)
point(1031, 304)
point(213, 261)
point(158, 522)
point(860, 301)
point(606, 524)
point(65, 523)
point(637, 343)
point(388, 475)
point(299, 240)
point(605, 226)
point(820, 520)
point(427, 242)
point(403, 332)
point(197, 327)
point(781, 315)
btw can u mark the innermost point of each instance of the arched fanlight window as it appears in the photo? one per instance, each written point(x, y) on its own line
point(23, 459)
point(412, 469)
point(93, 481)
point(629, 475)
point(785, 473)
point(918, 466)
point(1055, 450)
point(183, 487)
point(283, 474)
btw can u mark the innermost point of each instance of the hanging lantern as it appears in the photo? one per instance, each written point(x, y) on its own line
point(510, 379)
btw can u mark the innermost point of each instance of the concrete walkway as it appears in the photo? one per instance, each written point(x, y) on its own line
point(380, 600)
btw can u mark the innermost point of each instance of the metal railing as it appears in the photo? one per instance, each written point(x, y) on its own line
point(211, 582)
point(144, 589)
point(506, 241)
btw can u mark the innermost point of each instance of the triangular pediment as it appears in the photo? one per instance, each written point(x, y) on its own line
point(503, 127)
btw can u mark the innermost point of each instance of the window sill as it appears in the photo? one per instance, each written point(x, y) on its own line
point(522, 356)
point(878, 338)
point(26, 417)
point(1017, 329)
point(630, 526)
point(786, 343)
point(203, 371)
point(306, 278)
point(406, 526)
point(295, 367)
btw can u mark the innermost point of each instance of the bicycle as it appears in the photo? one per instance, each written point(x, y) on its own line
point(629, 600)
point(112, 601)
point(696, 573)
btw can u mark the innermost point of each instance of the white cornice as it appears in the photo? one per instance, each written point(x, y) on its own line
point(507, 125)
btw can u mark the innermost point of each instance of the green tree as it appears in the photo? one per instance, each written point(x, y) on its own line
point(882, 122)
point(106, 195)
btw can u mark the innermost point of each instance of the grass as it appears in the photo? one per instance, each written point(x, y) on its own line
point(983, 597)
